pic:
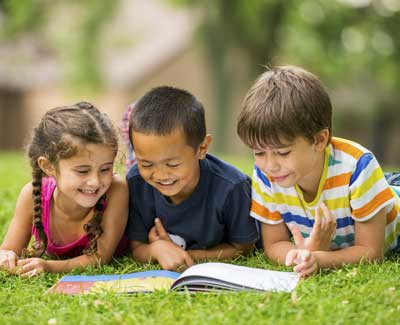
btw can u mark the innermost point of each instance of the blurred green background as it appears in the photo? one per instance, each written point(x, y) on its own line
point(55, 53)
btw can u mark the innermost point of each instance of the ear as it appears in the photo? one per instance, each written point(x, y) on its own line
point(203, 148)
point(46, 166)
point(321, 139)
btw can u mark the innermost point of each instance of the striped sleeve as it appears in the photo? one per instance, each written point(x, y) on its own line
point(369, 190)
point(262, 203)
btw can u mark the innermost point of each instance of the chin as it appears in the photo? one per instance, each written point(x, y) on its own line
point(286, 184)
point(168, 193)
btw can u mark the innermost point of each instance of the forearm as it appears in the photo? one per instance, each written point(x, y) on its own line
point(221, 251)
point(79, 262)
point(142, 253)
point(277, 251)
point(349, 255)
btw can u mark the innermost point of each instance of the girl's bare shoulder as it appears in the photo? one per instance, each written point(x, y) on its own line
point(118, 184)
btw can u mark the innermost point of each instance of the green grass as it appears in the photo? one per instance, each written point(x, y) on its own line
point(355, 294)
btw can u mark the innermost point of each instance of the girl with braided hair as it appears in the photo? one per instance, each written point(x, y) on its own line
point(75, 207)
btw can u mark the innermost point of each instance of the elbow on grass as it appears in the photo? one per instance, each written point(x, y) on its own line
point(373, 256)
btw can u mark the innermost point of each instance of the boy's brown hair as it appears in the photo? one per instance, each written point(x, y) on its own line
point(285, 102)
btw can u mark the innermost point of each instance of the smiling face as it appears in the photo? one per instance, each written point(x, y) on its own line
point(168, 163)
point(83, 178)
point(297, 162)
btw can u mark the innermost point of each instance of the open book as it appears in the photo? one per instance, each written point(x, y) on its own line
point(200, 277)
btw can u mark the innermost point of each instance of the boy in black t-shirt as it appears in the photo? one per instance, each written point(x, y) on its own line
point(185, 204)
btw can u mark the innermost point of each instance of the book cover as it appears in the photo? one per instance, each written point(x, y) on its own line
point(198, 278)
point(119, 283)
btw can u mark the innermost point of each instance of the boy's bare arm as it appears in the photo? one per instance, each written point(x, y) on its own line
point(222, 251)
point(276, 241)
point(140, 251)
point(166, 253)
point(368, 246)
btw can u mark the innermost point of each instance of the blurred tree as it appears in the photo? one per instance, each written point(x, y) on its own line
point(77, 39)
point(353, 44)
point(251, 27)
point(20, 16)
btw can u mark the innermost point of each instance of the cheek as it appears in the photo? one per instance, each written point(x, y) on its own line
point(259, 162)
point(184, 174)
point(108, 179)
point(144, 173)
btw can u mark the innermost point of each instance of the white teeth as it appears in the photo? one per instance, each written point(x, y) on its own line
point(167, 183)
point(88, 191)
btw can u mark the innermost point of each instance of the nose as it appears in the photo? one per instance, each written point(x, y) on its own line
point(93, 180)
point(160, 173)
point(271, 164)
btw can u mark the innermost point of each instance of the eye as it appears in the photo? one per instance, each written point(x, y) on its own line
point(258, 153)
point(283, 153)
point(82, 171)
point(146, 165)
point(173, 165)
point(105, 170)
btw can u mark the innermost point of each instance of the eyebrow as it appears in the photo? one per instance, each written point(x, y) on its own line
point(283, 146)
point(151, 162)
point(82, 166)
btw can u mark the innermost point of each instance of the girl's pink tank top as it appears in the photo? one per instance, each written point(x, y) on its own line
point(76, 247)
point(73, 249)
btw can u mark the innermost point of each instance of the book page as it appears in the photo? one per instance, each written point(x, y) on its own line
point(238, 277)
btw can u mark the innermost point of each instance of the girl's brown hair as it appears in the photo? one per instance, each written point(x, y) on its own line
point(58, 136)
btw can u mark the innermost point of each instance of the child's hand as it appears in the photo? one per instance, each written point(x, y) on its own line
point(30, 267)
point(305, 261)
point(8, 260)
point(158, 232)
point(170, 256)
point(322, 233)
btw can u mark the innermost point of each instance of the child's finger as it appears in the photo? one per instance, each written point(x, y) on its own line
point(188, 260)
point(325, 210)
point(327, 214)
point(320, 221)
point(24, 266)
point(23, 261)
point(329, 217)
point(8, 261)
point(30, 273)
point(291, 256)
point(297, 236)
point(308, 270)
point(153, 235)
point(162, 233)
point(12, 262)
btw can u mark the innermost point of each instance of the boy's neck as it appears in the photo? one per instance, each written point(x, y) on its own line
point(309, 185)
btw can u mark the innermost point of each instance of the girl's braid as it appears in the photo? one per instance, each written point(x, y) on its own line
point(39, 246)
point(93, 226)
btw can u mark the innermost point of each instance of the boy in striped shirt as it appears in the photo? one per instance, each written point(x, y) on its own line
point(328, 193)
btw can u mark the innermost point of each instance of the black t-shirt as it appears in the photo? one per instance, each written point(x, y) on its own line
point(216, 212)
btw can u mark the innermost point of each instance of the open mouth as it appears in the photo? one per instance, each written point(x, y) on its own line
point(166, 183)
point(89, 192)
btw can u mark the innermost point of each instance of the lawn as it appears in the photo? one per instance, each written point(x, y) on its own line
point(355, 294)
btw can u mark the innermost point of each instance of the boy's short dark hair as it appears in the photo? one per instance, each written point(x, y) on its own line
point(284, 103)
point(164, 109)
